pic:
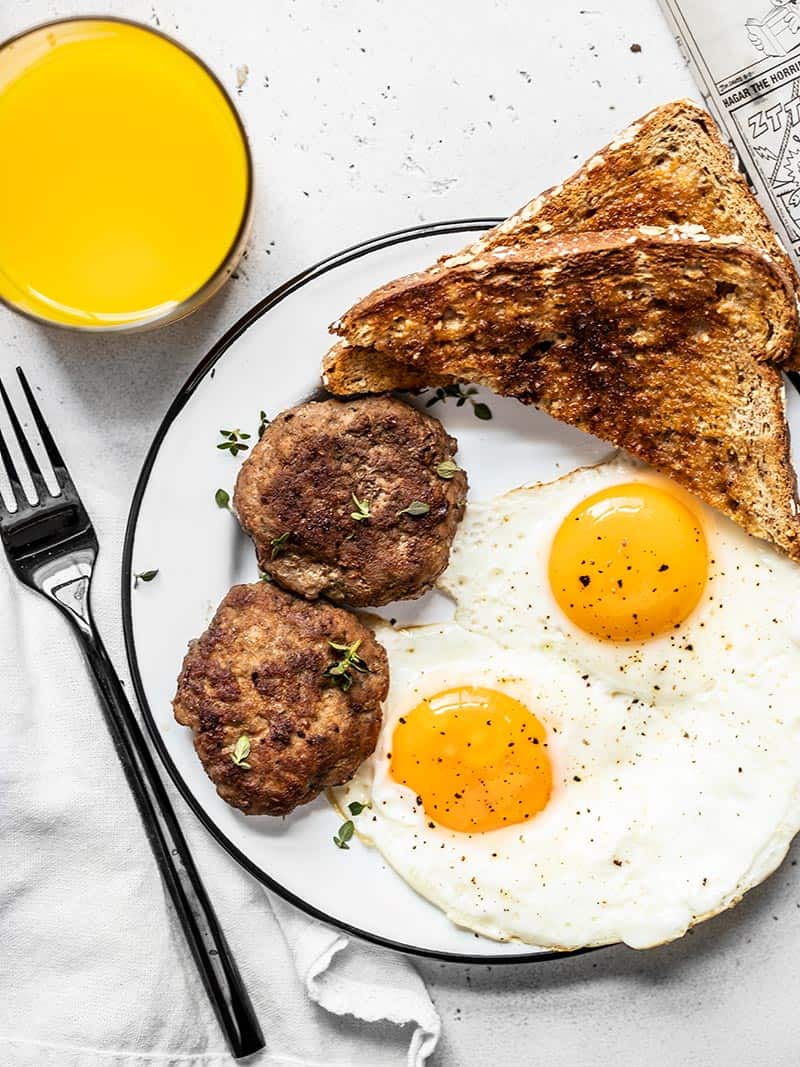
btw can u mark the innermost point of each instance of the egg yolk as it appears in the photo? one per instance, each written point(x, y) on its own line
point(629, 562)
point(476, 758)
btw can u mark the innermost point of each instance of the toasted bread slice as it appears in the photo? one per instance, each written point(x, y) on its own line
point(670, 167)
point(658, 341)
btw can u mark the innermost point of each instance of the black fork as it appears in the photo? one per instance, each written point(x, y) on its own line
point(52, 547)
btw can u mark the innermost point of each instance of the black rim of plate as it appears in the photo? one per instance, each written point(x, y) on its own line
point(204, 366)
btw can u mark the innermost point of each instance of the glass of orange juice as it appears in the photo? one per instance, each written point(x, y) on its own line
point(125, 176)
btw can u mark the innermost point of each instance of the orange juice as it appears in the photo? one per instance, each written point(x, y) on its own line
point(124, 176)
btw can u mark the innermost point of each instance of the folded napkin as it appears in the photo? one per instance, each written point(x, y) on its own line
point(94, 968)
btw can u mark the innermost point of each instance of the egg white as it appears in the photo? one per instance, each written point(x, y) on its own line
point(676, 770)
point(498, 576)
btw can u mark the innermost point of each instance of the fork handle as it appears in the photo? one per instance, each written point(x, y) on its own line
point(200, 925)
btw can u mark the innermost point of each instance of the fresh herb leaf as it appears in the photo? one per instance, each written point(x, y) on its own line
point(416, 508)
point(447, 469)
point(262, 424)
point(362, 509)
point(461, 396)
point(241, 750)
point(144, 576)
point(223, 499)
point(346, 831)
point(355, 808)
point(279, 544)
point(264, 577)
point(234, 441)
point(340, 672)
point(455, 392)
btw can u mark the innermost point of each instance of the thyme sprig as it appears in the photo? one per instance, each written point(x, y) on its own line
point(279, 544)
point(461, 395)
point(144, 576)
point(447, 469)
point(340, 671)
point(234, 441)
point(345, 832)
point(416, 508)
point(362, 509)
point(241, 750)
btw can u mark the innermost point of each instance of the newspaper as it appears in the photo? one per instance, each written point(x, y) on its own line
point(745, 55)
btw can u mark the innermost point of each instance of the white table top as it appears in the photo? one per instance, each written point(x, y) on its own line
point(364, 117)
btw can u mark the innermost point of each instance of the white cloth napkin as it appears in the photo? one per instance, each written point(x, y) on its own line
point(94, 969)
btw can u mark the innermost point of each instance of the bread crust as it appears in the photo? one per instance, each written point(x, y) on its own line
point(658, 341)
point(670, 167)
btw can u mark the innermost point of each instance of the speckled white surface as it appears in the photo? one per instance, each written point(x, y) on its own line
point(367, 116)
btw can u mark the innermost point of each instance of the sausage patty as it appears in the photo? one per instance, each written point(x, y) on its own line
point(266, 671)
point(326, 492)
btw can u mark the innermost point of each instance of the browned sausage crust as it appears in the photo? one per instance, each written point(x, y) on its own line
point(296, 496)
point(259, 672)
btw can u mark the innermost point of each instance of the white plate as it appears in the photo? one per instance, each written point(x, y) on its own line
point(270, 360)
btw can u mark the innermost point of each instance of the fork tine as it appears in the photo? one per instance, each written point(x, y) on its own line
point(27, 452)
point(11, 471)
point(50, 446)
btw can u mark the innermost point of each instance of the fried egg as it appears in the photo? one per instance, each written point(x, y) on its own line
point(605, 743)
point(618, 571)
point(530, 807)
